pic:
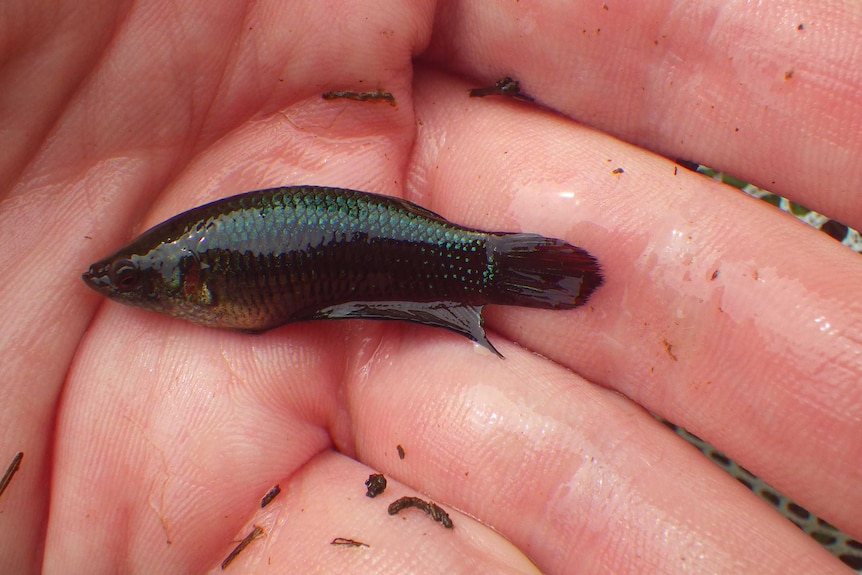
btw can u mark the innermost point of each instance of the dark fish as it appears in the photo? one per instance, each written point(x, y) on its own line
point(266, 258)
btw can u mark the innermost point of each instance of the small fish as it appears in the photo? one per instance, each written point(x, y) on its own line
point(262, 259)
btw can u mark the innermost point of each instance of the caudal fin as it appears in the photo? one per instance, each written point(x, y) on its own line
point(535, 271)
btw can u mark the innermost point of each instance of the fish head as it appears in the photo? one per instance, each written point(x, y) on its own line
point(162, 277)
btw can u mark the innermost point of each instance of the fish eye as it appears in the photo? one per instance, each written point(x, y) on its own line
point(125, 275)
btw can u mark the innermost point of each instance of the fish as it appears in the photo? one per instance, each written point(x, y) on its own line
point(261, 259)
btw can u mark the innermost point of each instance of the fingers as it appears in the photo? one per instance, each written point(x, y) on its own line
point(570, 473)
point(163, 461)
point(170, 435)
point(326, 501)
point(763, 93)
point(702, 315)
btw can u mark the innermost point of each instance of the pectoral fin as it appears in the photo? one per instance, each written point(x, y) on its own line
point(466, 320)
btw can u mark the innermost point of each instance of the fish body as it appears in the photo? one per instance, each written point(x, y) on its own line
point(262, 259)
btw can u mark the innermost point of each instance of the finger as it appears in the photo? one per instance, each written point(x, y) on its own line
point(46, 50)
point(702, 314)
point(574, 475)
point(164, 462)
point(171, 433)
point(762, 92)
point(326, 501)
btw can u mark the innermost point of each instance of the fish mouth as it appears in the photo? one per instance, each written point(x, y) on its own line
point(96, 277)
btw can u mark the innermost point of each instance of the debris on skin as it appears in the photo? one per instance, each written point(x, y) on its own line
point(687, 164)
point(344, 542)
point(270, 495)
point(432, 509)
point(11, 470)
point(668, 348)
point(376, 484)
point(506, 86)
point(400, 451)
point(375, 96)
point(255, 533)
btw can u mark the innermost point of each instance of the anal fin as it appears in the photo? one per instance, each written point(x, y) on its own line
point(463, 319)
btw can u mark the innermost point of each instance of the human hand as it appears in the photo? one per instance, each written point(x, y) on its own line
point(153, 439)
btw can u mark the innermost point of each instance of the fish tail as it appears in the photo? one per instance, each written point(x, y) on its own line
point(534, 271)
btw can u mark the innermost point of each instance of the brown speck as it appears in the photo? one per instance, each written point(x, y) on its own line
point(255, 533)
point(270, 495)
point(788, 74)
point(675, 170)
point(715, 275)
point(668, 348)
point(801, 27)
point(400, 451)
point(618, 171)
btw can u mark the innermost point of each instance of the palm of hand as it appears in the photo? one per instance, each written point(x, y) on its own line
point(168, 434)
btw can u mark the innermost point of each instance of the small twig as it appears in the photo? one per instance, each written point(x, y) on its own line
point(10, 471)
point(375, 96)
point(347, 542)
point(255, 533)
